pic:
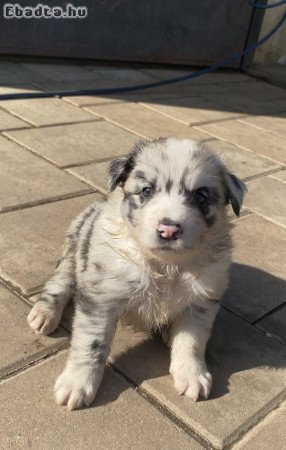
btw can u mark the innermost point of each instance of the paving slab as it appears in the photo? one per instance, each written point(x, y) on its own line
point(248, 98)
point(258, 275)
point(96, 78)
point(144, 121)
point(248, 370)
point(268, 434)
point(131, 97)
point(8, 122)
point(163, 73)
point(18, 89)
point(275, 124)
point(176, 88)
point(125, 75)
point(86, 100)
point(280, 176)
point(46, 111)
point(249, 137)
point(255, 90)
point(93, 174)
point(27, 179)
point(242, 162)
point(19, 347)
point(97, 82)
point(275, 324)
point(192, 111)
point(118, 419)
point(78, 143)
point(31, 241)
point(246, 106)
point(16, 73)
point(61, 72)
point(170, 89)
point(208, 78)
point(267, 197)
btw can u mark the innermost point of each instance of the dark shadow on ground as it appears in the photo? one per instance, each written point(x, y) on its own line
point(252, 293)
point(224, 90)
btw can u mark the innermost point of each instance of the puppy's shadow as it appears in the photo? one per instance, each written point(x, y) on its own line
point(136, 367)
point(235, 345)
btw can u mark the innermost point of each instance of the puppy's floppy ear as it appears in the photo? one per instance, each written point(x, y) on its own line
point(119, 169)
point(235, 190)
point(118, 172)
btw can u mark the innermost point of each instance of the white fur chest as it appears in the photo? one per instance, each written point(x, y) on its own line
point(159, 298)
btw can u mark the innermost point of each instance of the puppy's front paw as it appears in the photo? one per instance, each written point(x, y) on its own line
point(44, 317)
point(191, 378)
point(77, 387)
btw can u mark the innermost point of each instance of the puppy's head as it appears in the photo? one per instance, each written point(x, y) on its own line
point(175, 192)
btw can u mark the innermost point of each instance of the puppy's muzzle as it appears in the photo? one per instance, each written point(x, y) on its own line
point(169, 230)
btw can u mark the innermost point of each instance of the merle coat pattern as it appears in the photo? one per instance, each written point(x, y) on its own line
point(155, 255)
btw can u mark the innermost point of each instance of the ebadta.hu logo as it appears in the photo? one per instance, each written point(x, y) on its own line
point(41, 11)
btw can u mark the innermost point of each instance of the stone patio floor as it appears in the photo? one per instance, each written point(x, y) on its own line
point(53, 158)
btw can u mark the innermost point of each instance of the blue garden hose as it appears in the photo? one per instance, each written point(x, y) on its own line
point(141, 87)
point(260, 6)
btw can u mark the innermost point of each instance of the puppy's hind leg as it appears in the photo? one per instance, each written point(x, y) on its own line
point(48, 309)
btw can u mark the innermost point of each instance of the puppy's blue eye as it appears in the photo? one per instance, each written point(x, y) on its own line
point(147, 192)
point(200, 197)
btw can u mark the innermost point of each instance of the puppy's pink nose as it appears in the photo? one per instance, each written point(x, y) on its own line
point(169, 231)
